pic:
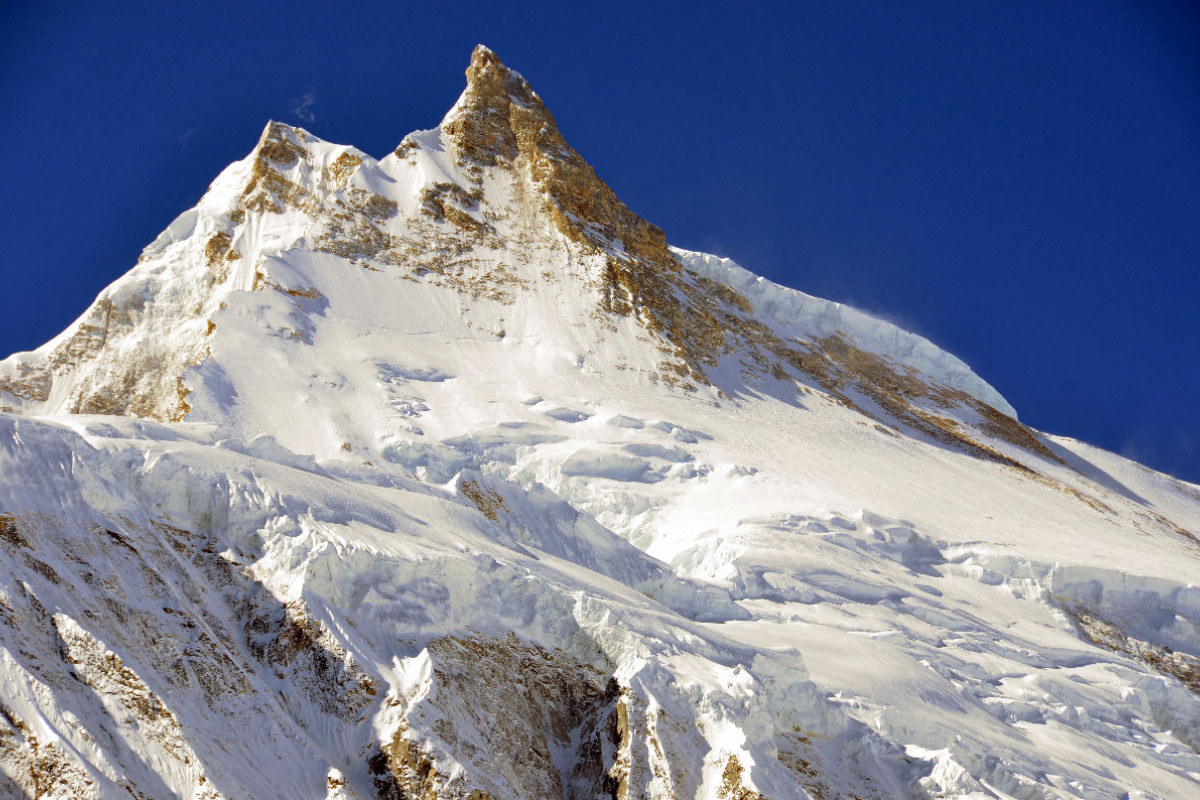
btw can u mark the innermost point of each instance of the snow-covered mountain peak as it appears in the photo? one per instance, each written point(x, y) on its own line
point(453, 481)
point(493, 207)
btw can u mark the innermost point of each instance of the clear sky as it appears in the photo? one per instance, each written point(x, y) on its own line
point(1020, 183)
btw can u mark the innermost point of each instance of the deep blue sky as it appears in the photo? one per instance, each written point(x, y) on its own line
point(1018, 182)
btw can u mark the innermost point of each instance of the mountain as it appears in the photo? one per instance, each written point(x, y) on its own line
point(444, 476)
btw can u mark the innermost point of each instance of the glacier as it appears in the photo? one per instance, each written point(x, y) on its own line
point(442, 475)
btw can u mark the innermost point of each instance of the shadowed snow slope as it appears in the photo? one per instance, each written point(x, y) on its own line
point(444, 476)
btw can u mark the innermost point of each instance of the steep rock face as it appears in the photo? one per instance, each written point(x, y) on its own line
point(501, 122)
point(558, 717)
point(482, 491)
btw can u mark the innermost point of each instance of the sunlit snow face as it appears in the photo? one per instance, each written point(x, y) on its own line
point(472, 464)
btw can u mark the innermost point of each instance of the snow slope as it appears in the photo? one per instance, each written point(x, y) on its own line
point(442, 475)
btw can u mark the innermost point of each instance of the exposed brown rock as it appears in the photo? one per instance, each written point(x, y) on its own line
point(35, 769)
point(105, 672)
point(852, 376)
point(1189, 536)
point(10, 531)
point(502, 122)
point(343, 167)
point(545, 701)
point(352, 225)
point(30, 384)
point(488, 501)
point(182, 406)
point(285, 638)
point(268, 190)
point(1182, 666)
point(449, 202)
point(405, 148)
point(216, 249)
point(142, 384)
point(732, 787)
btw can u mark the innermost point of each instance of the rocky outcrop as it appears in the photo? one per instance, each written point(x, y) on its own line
point(559, 718)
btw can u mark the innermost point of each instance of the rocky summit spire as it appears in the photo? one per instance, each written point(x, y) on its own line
point(499, 121)
point(481, 124)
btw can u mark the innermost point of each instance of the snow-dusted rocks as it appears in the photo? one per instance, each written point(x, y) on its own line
point(443, 476)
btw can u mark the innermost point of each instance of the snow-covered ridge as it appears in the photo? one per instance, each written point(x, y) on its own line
point(800, 315)
point(492, 195)
point(453, 484)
